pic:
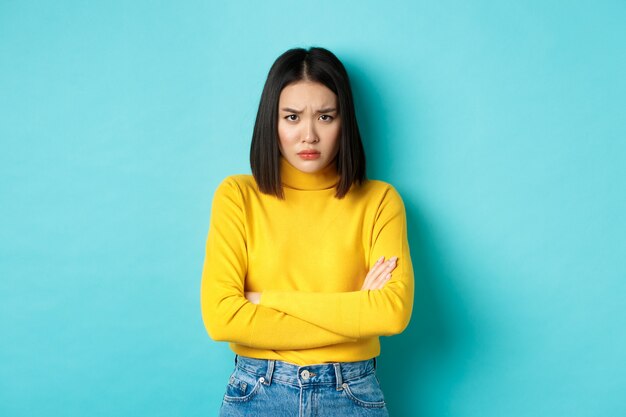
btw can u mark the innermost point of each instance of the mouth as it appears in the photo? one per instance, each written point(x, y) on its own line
point(309, 154)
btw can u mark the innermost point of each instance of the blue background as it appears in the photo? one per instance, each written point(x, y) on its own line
point(501, 123)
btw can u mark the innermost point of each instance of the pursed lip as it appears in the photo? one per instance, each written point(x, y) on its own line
point(308, 152)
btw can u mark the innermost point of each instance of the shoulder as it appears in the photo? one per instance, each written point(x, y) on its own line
point(378, 190)
point(236, 184)
point(382, 199)
point(233, 189)
point(377, 185)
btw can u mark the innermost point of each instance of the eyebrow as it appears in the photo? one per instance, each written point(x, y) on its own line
point(326, 110)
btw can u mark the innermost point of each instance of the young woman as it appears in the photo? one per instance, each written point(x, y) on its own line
point(307, 262)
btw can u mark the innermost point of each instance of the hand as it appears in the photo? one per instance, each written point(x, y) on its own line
point(253, 297)
point(380, 273)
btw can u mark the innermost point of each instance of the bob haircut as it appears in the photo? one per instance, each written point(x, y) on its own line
point(317, 65)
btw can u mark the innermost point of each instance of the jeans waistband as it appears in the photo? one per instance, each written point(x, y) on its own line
point(325, 373)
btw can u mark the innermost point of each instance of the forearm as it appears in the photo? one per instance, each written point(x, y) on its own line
point(238, 321)
point(355, 314)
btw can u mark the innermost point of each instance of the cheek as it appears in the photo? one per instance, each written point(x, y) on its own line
point(285, 135)
point(335, 138)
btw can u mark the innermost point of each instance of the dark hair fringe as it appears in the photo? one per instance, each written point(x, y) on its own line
point(318, 65)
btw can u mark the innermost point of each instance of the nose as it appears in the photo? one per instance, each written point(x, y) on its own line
point(310, 134)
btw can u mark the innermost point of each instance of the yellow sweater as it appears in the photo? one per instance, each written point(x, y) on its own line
point(308, 255)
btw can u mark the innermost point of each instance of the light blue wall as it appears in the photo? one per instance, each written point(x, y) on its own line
point(500, 122)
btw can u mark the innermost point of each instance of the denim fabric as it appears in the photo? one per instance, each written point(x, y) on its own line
point(260, 387)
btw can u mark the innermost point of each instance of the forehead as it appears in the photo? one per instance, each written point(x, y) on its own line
point(307, 93)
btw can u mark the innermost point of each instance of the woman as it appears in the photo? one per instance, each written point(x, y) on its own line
point(307, 262)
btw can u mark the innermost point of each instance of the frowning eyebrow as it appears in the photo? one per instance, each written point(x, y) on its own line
point(327, 110)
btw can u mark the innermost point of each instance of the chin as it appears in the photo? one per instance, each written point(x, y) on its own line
point(310, 167)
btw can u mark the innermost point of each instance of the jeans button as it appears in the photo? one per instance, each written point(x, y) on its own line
point(305, 374)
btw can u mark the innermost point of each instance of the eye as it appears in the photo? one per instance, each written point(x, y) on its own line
point(291, 117)
point(326, 118)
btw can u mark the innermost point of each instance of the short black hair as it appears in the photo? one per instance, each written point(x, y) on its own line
point(317, 65)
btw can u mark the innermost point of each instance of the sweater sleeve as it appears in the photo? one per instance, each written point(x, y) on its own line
point(366, 313)
point(227, 314)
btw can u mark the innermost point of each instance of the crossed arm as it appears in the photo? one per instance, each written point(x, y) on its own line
point(382, 306)
point(375, 279)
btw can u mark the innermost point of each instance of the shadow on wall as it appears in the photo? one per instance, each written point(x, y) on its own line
point(428, 344)
point(408, 359)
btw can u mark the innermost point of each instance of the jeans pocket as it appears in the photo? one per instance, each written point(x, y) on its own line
point(242, 387)
point(365, 391)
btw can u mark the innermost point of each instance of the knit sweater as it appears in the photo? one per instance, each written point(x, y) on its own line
point(308, 255)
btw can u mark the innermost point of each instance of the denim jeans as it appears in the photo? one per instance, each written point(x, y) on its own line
point(260, 387)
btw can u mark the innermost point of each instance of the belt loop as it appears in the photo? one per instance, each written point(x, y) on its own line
point(338, 376)
point(270, 371)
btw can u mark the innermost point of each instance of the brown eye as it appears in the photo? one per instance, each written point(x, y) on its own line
point(326, 117)
point(292, 117)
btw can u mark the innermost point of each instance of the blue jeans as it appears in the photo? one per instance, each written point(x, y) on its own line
point(260, 387)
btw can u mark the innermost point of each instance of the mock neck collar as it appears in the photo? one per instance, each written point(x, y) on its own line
point(292, 177)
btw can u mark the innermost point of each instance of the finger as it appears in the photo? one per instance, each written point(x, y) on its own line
point(369, 278)
point(378, 268)
point(380, 282)
point(383, 281)
point(376, 265)
point(375, 274)
point(393, 262)
point(385, 274)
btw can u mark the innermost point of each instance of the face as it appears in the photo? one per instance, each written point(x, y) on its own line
point(308, 125)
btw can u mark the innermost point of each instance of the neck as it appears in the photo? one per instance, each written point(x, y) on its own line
point(323, 179)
